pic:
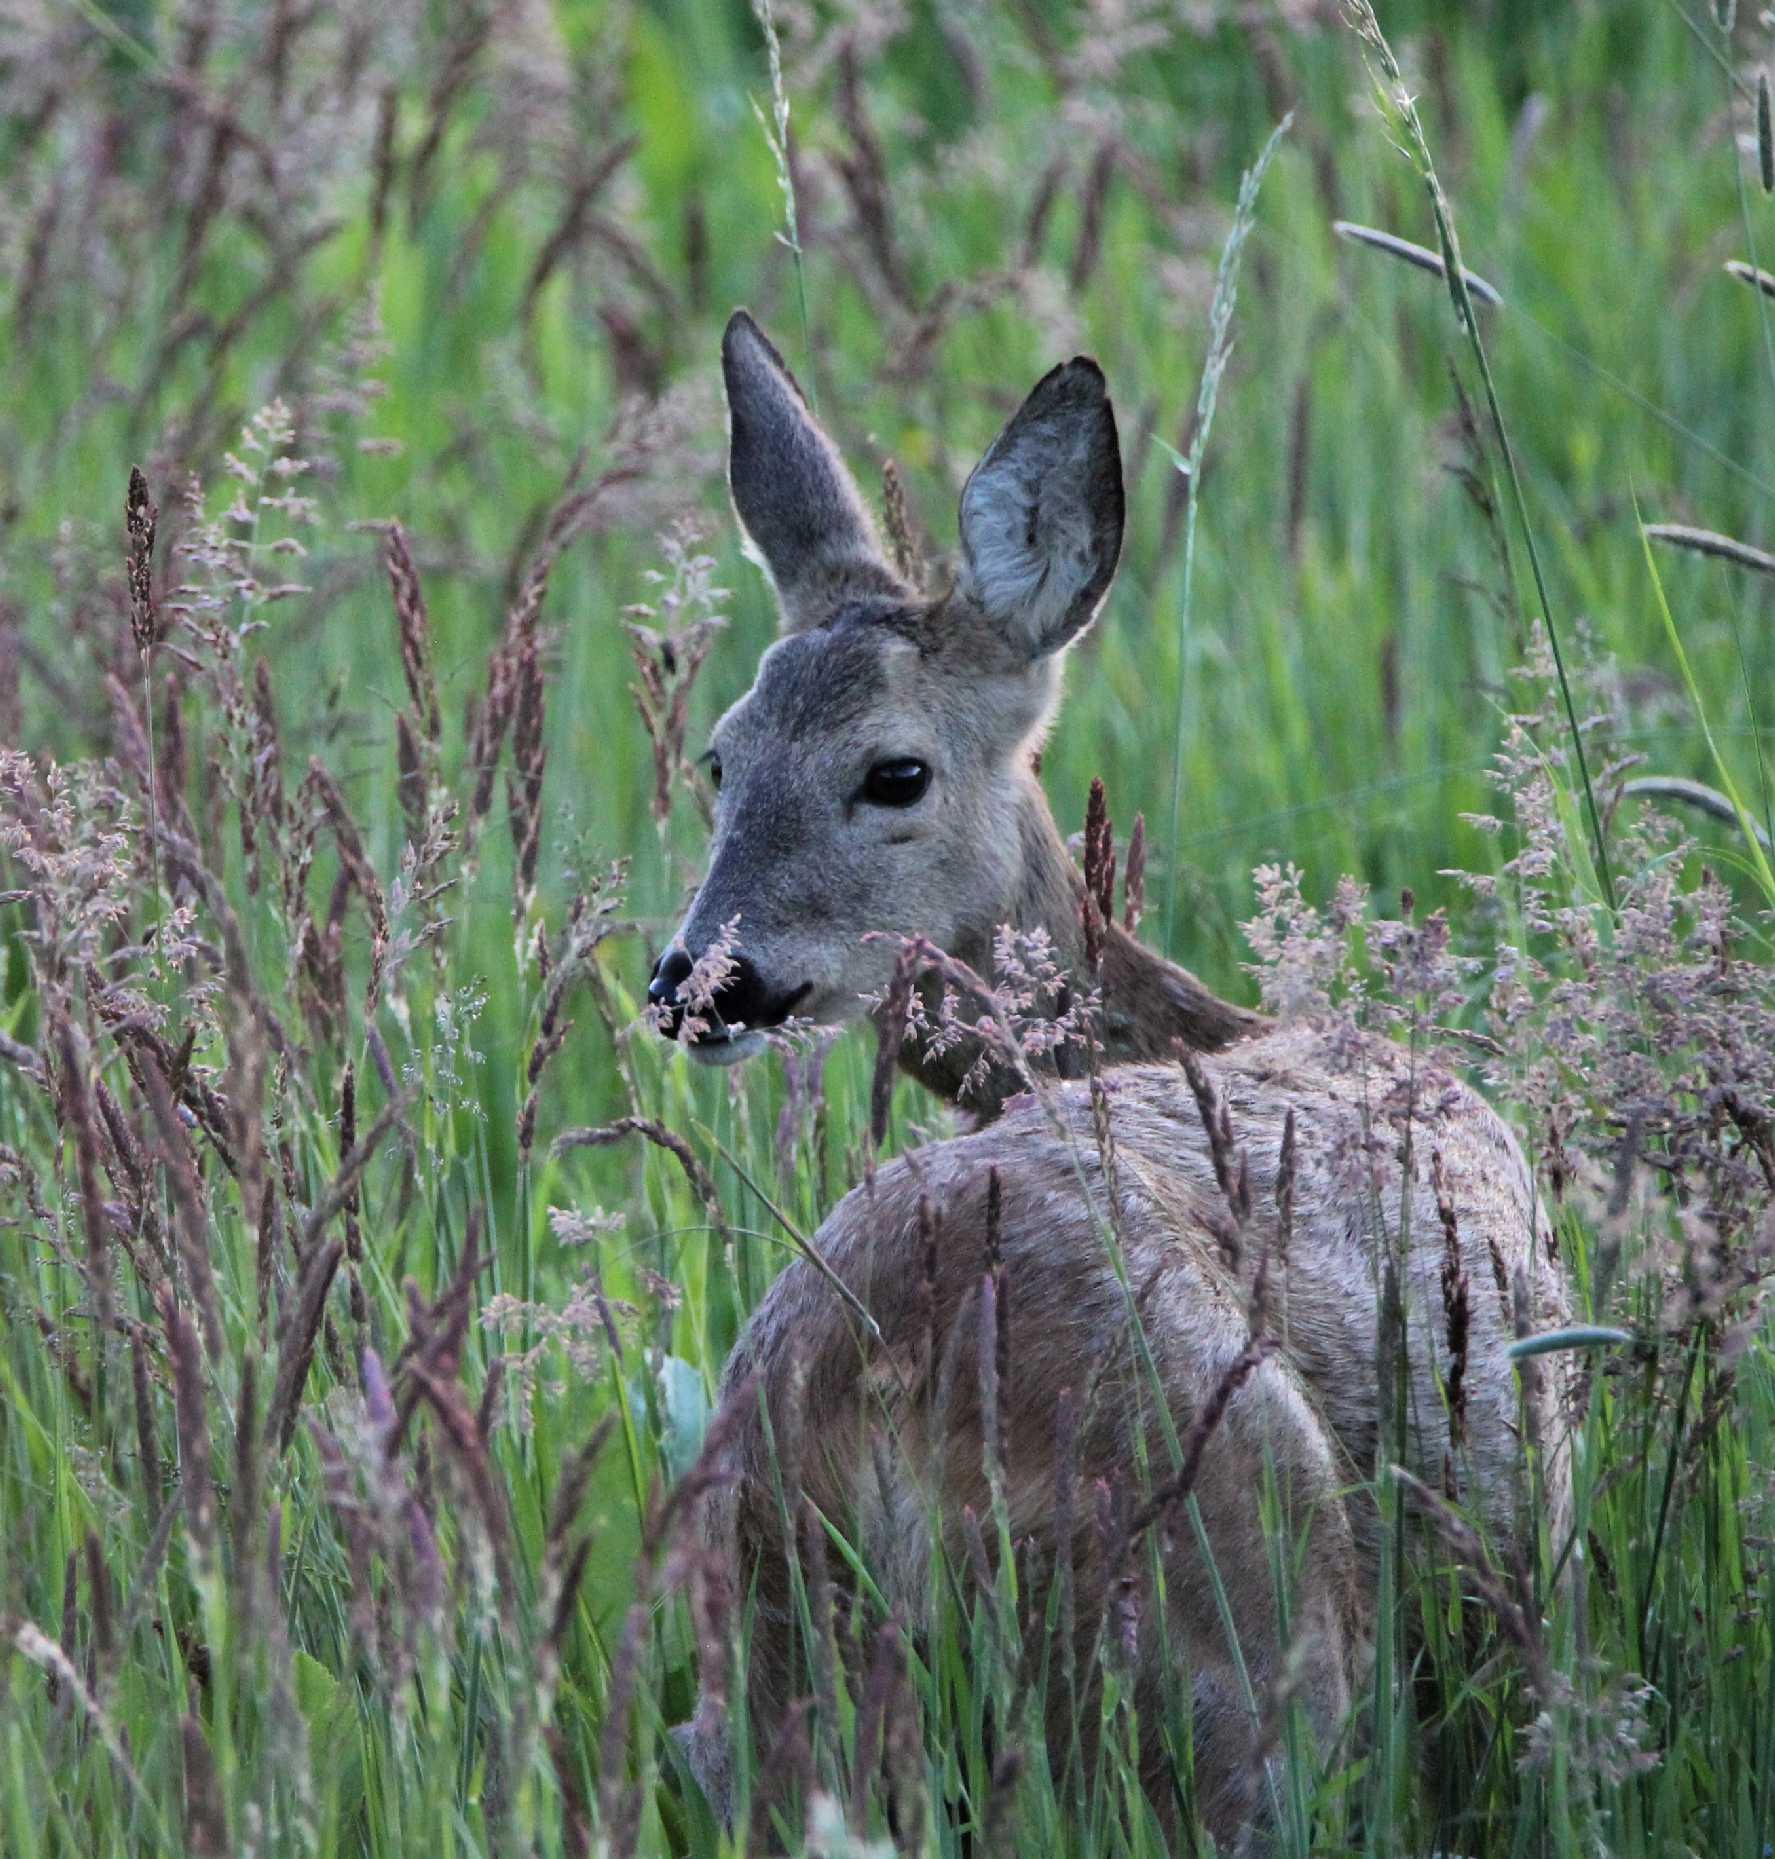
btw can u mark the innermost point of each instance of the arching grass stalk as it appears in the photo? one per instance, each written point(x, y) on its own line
point(1401, 111)
point(1220, 349)
point(1759, 859)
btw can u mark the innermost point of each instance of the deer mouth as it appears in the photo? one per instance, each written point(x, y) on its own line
point(729, 1045)
point(724, 1048)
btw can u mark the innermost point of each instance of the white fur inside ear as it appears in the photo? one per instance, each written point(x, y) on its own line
point(1027, 535)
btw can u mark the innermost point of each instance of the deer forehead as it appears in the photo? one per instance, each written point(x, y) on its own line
point(906, 682)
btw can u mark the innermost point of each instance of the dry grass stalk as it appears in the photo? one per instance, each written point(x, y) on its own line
point(34, 271)
point(1696, 794)
point(437, 1331)
point(669, 641)
point(576, 1813)
point(295, 1352)
point(70, 1638)
point(618, 1806)
point(930, 1228)
point(356, 873)
point(28, 1639)
point(147, 1445)
point(886, 1665)
point(141, 513)
point(1285, 1180)
point(340, 1193)
point(1134, 879)
point(60, 1346)
point(354, 1243)
point(172, 762)
point(411, 763)
point(1750, 274)
point(243, 1500)
point(785, 1774)
point(908, 1801)
point(574, 512)
point(190, 1215)
point(524, 783)
point(1068, 1439)
point(1507, 1596)
point(1229, 1162)
point(195, 1476)
point(382, 164)
point(413, 620)
point(1100, 872)
point(570, 230)
point(265, 1253)
point(456, 74)
point(206, 1815)
point(127, 1164)
point(357, 1524)
point(487, 1411)
point(903, 548)
point(264, 804)
point(570, 960)
point(493, 717)
point(16, 1052)
point(702, 1183)
point(1164, 1502)
point(575, 1482)
point(1710, 542)
point(1420, 256)
point(991, 1411)
point(1041, 209)
point(671, 1513)
point(823, 1653)
point(1455, 1305)
point(77, 1113)
point(102, 1661)
point(147, 1051)
point(1116, 1547)
point(456, 1421)
point(995, 1330)
point(1001, 1819)
point(890, 1034)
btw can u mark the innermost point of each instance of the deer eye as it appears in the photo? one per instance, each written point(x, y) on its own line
point(896, 783)
point(715, 769)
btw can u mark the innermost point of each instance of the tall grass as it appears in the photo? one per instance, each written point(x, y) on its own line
point(365, 1267)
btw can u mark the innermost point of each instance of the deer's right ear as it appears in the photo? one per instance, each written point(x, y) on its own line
point(1041, 515)
point(805, 521)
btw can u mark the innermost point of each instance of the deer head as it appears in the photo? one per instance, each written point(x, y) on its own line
point(877, 776)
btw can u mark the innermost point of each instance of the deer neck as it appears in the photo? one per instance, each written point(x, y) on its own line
point(1147, 1004)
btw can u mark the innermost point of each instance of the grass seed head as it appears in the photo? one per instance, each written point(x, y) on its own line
point(141, 514)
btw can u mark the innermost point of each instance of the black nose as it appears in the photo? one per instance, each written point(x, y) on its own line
point(668, 973)
point(741, 1000)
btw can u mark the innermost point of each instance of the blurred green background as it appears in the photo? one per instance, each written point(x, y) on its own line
point(483, 253)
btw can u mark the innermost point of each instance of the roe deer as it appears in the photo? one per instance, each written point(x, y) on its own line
point(879, 777)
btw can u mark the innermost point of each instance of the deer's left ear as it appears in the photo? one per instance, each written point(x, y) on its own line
point(1041, 515)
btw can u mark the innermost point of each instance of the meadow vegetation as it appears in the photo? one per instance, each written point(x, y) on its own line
point(367, 589)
